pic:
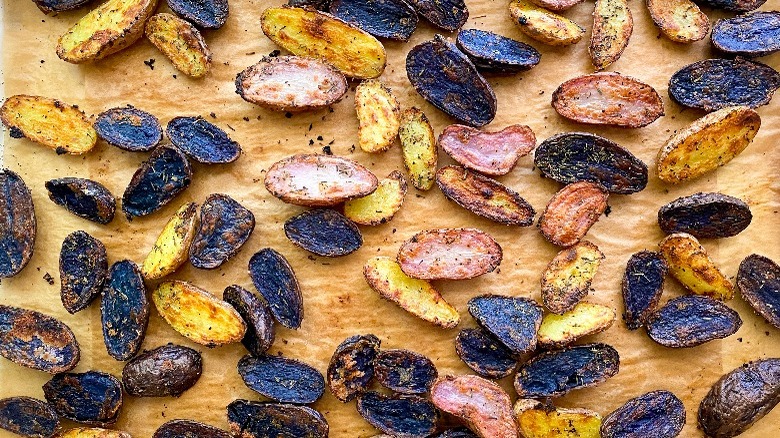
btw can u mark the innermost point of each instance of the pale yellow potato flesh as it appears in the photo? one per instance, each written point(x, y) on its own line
point(181, 42)
point(534, 420)
point(690, 264)
point(583, 320)
point(91, 432)
point(378, 207)
point(613, 25)
point(378, 115)
point(680, 20)
point(543, 25)
point(173, 244)
point(418, 146)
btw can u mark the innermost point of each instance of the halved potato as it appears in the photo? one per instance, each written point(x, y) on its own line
point(543, 25)
point(556, 5)
point(172, 246)
point(107, 29)
point(181, 42)
point(612, 28)
point(690, 264)
point(583, 320)
point(417, 297)
point(380, 206)
point(418, 146)
point(449, 254)
point(680, 20)
point(708, 143)
point(572, 211)
point(92, 432)
point(52, 123)
point(568, 277)
point(308, 32)
point(379, 115)
point(535, 420)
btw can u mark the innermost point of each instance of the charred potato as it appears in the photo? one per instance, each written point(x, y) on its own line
point(690, 264)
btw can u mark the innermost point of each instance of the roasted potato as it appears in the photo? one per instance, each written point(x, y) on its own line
point(449, 253)
point(513, 321)
point(324, 232)
point(378, 115)
point(264, 419)
point(572, 211)
point(495, 53)
point(49, 6)
point(202, 140)
point(92, 432)
point(755, 34)
point(207, 14)
point(482, 404)
point(225, 226)
point(83, 270)
point(27, 416)
point(188, 428)
point(418, 146)
point(536, 420)
point(392, 19)
point(488, 357)
point(657, 413)
point(282, 379)
point(405, 371)
point(398, 414)
point(172, 247)
point(124, 310)
point(380, 206)
point(256, 313)
point(159, 179)
point(491, 153)
point(129, 128)
point(758, 280)
point(612, 28)
point(543, 25)
point(643, 285)
point(567, 278)
point(19, 226)
point(34, 340)
point(583, 320)
point(180, 42)
point(92, 397)
point(680, 20)
point(690, 264)
point(692, 320)
point(275, 279)
point(733, 5)
point(449, 15)
point(83, 197)
point(556, 5)
point(351, 366)
point(166, 371)
point(705, 215)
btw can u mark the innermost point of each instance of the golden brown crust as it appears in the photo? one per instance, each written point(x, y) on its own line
point(545, 26)
point(680, 20)
point(690, 264)
point(379, 116)
point(612, 28)
point(181, 43)
point(572, 211)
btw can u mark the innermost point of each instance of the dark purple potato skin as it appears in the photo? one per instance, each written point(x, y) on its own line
point(49, 6)
point(28, 417)
point(207, 14)
point(692, 320)
point(580, 156)
point(321, 5)
point(91, 398)
point(324, 232)
point(202, 141)
point(657, 414)
point(124, 310)
point(758, 281)
point(556, 372)
point(713, 84)
point(460, 432)
point(83, 270)
point(398, 415)
point(256, 313)
point(282, 379)
point(733, 5)
point(391, 19)
point(188, 429)
point(17, 224)
point(351, 367)
point(705, 215)
point(129, 128)
point(275, 279)
point(34, 340)
point(166, 371)
point(445, 14)
point(513, 321)
point(250, 419)
point(83, 197)
point(643, 284)
point(484, 354)
point(405, 371)
point(751, 35)
point(740, 398)
point(157, 181)
point(225, 225)
point(495, 53)
point(446, 78)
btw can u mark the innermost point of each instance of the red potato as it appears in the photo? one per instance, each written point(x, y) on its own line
point(490, 153)
point(572, 211)
point(482, 404)
point(449, 253)
point(556, 5)
point(314, 180)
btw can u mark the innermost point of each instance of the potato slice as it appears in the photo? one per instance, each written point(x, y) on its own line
point(449, 253)
point(491, 153)
point(708, 143)
point(543, 25)
point(197, 314)
point(172, 246)
point(418, 146)
point(572, 211)
point(380, 206)
point(308, 32)
point(107, 29)
point(181, 43)
point(52, 123)
point(415, 296)
point(379, 115)
point(680, 20)
point(92, 432)
point(556, 5)
point(690, 264)
point(583, 320)
point(612, 28)
point(480, 403)
point(535, 420)
point(568, 277)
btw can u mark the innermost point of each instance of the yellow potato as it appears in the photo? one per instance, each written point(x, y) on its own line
point(172, 246)
point(568, 277)
point(680, 20)
point(583, 320)
point(708, 143)
point(534, 420)
point(91, 432)
point(543, 25)
point(308, 32)
point(417, 297)
point(612, 28)
point(181, 43)
point(197, 314)
point(379, 115)
point(49, 122)
point(107, 29)
point(418, 146)
point(690, 264)
point(378, 207)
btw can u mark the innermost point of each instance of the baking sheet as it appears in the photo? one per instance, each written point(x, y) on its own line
point(337, 301)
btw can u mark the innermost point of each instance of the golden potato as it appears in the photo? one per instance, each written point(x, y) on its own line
point(543, 25)
point(690, 264)
point(172, 246)
point(536, 420)
point(418, 146)
point(378, 207)
point(583, 320)
point(612, 28)
point(181, 42)
point(680, 20)
point(379, 115)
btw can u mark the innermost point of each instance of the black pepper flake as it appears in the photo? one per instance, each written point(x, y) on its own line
point(326, 150)
point(608, 210)
point(246, 119)
point(150, 63)
point(274, 54)
point(288, 115)
point(311, 142)
point(48, 279)
point(319, 138)
point(213, 115)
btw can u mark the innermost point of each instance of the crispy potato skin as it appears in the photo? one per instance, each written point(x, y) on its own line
point(491, 52)
point(608, 99)
point(225, 226)
point(50, 122)
point(392, 19)
point(93, 397)
point(308, 32)
point(173, 244)
point(612, 28)
point(168, 370)
point(188, 429)
point(754, 34)
point(680, 20)
point(107, 29)
point(418, 146)
point(351, 367)
point(252, 419)
point(481, 352)
point(513, 321)
point(482, 404)
point(18, 225)
point(657, 413)
point(275, 279)
point(378, 115)
point(83, 197)
point(543, 25)
point(583, 320)
point(124, 310)
point(449, 15)
point(568, 277)
point(206, 14)
point(405, 371)
point(181, 43)
point(256, 313)
point(490, 153)
point(705, 215)
point(691, 320)
point(398, 414)
point(29, 417)
point(643, 284)
point(282, 379)
point(690, 264)
point(34, 340)
point(129, 128)
point(92, 432)
point(535, 420)
point(708, 143)
point(49, 6)
point(324, 232)
point(449, 253)
point(556, 5)
point(759, 283)
point(417, 297)
point(83, 270)
point(572, 211)
point(734, 5)
point(379, 207)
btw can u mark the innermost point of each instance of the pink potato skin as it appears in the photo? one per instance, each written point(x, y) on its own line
point(490, 153)
point(449, 253)
point(485, 406)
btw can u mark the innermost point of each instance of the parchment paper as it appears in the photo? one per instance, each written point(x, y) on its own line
point(338, 303)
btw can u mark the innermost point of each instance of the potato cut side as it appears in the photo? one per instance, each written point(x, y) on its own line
point(307, 32)
point(708, 143)
point(583, 320)
point(415, 296)
point(107, 29)
point(197, 314)
point(52, 123)
point(418, 146)
point(92, 432)
point(378, 113)
point(449, 254)
point(172, 246)
point(690, 264)
point(612, 28)
point(556, 5)
point(535, 420)
point(181, 43)
point(380, 206)
point(543, 25)
point(572, 211)
point(568, 277)
point(680, 20)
